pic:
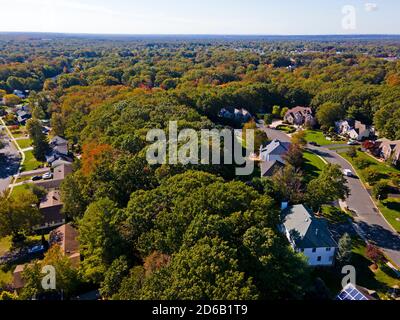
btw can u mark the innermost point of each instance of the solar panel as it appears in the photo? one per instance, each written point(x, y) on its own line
point(350, 293)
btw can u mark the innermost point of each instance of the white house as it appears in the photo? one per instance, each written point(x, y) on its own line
point(274, 151)
point(309, 235)
point(355, 130)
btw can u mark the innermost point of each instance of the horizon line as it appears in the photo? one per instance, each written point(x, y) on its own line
point(201, 34)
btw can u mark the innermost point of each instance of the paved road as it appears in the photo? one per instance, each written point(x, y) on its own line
point(369, 219)
point(9, 162)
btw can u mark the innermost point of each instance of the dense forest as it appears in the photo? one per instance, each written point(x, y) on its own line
point(187, 232)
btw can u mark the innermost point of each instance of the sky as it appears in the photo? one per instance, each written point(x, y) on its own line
point(233, 17)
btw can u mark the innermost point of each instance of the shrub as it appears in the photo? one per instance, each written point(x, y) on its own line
point(381, 190)
point(362, 163)
point(371, 175)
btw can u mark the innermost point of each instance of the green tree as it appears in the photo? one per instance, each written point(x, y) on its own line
point(381, 190)
point(352, 152)
point(18, 214)
point(345, 247)
point(276, 111)
point(114, 276)
point(330, 186)
point(100, 242)
point(39, 139)
point(328, 114)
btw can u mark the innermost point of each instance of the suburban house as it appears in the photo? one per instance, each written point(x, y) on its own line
point(300, 116)
point(50, 207)
point(388, 150)
point(59, 150)
point(356, 293)
point(66, 236)
point(23, 116)
point(272, 157)
point(309, 235)
point(20, 94)
point(235, 114)
point(355, 130)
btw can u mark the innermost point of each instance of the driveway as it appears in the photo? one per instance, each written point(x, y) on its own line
point(373, 225)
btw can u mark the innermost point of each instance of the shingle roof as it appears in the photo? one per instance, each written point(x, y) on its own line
point(311, 232)
point(268, 168)
point(276, 147)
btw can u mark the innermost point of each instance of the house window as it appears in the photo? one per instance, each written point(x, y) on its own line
point(314, 250)
point(319, 259)
point(328, 249)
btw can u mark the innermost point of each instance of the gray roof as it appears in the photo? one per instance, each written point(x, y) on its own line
point(310, 232)
point(268, 168)
point(58, 141)
point(276, 147)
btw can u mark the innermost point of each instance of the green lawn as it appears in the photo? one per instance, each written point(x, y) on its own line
point(391, 210)
point(319, 137)
point(19, 189)
point(19, 133)
point(313, 165)
point(335, 215)
point(380, 166)
point(30, 162)
point(5, 244)
point(25, 143)
point(286, 128)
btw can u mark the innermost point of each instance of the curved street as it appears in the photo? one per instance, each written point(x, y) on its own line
point(9, 160)
point(370, 221)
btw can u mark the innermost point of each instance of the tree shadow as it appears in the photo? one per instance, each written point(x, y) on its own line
point(381, 237)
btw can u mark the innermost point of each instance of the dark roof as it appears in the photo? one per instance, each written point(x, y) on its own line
point(306, 230)
point(50, 207)
point(58, 141)
point(268, 168)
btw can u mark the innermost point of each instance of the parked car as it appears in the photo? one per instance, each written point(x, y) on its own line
point(36, 178)
point(353, 143)
point(47, 176)
point(348, 173)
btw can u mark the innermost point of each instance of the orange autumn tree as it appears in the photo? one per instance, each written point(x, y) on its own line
point(94, 154)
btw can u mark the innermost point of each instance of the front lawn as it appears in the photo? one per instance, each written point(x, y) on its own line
point(30, 162)
point(313, 165)
point(286, 128)
point(390, 208)
point(319, 138)
point(375, 164)
point(24, 143)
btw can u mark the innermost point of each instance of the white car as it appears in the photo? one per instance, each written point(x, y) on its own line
point(348, 173)
point(47, 176)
